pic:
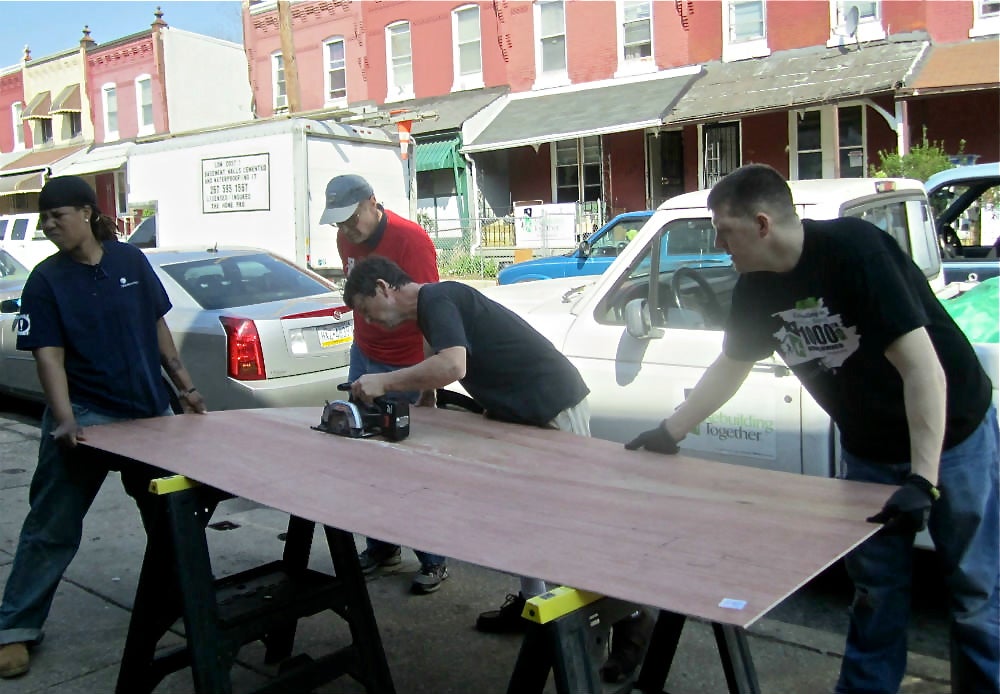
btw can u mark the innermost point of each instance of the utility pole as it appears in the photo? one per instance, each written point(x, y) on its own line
point(288, 56)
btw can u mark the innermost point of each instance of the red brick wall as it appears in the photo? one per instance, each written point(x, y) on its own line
point(11, 91)
point(591, 40)
point(797, 24)
point(312, 23)
point(947, 22)
point(120, 64)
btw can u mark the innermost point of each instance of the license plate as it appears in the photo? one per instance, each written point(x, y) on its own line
point(336, 335)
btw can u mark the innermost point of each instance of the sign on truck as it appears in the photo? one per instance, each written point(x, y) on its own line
point(261, 184)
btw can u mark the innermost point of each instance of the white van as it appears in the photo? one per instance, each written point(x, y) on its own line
point(21, 237)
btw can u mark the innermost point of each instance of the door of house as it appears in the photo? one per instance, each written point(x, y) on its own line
point(666, 165)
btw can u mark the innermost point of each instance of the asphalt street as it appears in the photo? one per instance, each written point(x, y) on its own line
point(430, 642)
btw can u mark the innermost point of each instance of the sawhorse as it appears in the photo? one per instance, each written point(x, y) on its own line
point(263, 603)
point(568, 636)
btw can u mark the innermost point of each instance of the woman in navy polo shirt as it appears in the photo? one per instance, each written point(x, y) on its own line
point(92, 315)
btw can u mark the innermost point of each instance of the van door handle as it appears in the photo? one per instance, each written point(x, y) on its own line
point(778, 370)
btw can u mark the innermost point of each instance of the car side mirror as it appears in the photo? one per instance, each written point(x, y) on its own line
point(637, 321)
point(10, 306)
point(584, 249)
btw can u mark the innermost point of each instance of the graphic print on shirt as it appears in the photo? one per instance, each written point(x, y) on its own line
point(125, 283)
point(23, 324)
point(811, 332)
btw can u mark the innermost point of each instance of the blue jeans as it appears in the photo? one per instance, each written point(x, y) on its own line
point(361, 365)
point(965, 526)
point(62, 489)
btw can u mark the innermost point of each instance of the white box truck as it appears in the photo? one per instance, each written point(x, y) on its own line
point(262, 184)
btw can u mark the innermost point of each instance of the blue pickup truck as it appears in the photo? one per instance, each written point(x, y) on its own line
point(595, 255)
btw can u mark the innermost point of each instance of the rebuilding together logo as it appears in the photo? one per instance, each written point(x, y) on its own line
point(742, 427)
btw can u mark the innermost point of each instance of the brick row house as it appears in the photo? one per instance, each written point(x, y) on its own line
point(620, 104)
point(81, 110)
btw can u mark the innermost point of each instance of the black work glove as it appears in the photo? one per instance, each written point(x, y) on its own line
point(657, 440)
point(908, 508)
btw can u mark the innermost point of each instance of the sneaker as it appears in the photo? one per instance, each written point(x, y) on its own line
point(429, 579)
point(387, 555)
point(507, 619)
point(13, 659)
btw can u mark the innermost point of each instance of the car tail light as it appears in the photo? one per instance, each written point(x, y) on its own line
point(243, 351)
point(336, 313)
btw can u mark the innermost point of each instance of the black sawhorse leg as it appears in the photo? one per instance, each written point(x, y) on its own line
point(568, 634)
point(734, 652)
point(263, 603)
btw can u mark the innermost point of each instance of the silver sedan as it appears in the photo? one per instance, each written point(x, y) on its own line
point(253, 329)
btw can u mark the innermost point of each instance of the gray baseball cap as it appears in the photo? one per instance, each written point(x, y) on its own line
point(343, 195)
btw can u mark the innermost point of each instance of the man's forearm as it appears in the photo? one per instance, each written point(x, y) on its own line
point(433, 372)
point(924, 397)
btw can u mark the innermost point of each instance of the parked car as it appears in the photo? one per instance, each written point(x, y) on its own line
point(966, 203)
point(253, 329)
point(593, 256)
point(21, 238)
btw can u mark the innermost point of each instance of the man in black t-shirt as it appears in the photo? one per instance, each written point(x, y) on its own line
point(856, 321)
point(508, 368)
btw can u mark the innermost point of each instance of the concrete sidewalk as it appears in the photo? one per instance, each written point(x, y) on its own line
point(430, 642)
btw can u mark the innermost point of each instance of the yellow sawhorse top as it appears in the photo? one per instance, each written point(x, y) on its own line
point(556, 603)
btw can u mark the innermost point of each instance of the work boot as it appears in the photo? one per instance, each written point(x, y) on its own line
point(13, 659)
point(429, 579)
point(507, 619)
point(629, 638)
point(384, 555)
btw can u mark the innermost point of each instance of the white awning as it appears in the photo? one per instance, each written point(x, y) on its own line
point(12, 184)
point(97, 160)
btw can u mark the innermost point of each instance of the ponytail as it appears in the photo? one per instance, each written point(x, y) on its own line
point(103, 226)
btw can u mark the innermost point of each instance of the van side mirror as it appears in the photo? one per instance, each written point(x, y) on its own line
point(10, 306)
point(584, 249)
point(637, 321)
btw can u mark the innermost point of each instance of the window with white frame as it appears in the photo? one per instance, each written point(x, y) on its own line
point(852, 22)
point(635, 37)
point(468, 51)
point(550, 51)
point(109, 103)
point(828, 142)
point(744, 30)
point(16, 112)
point(986, 19)
point(335, 70)
point(144, 104)
point(280, 95)
point(399, 58)
point(577, 169)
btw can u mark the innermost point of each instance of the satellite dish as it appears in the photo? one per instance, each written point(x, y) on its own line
point(851, 21)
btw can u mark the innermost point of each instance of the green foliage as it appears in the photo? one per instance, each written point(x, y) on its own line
point(457, 262)
point(921, 162)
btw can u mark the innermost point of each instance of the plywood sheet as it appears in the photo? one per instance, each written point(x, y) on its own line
point(676, 532)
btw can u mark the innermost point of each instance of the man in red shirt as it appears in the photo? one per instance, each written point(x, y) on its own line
point(366, 228)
